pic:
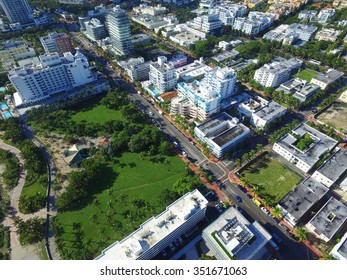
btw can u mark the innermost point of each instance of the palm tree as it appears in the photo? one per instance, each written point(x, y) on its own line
point(244, 182)
point(301, 233)
point(94, 218)
point(256, 190)
point(268, 200)
point(260, 148)
point(97, 203)
point(238, 162)
point(277, 212)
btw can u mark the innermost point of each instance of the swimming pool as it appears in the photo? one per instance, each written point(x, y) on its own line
point(2, 89)
point(7, 115)
point(3, 106)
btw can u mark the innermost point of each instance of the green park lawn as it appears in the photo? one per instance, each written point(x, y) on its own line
point(31, 187)
point(306, 75)
point(131, 175)
point(274, 178)
point(97, 114)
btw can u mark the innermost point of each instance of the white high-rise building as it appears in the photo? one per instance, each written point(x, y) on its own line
point(207, 23)
point(255, 23)
point(162, 75)
point(221, 80)
point(118, 25)
point(228, 12)
point(158, 232)
point(276, 73)
point(52, 75)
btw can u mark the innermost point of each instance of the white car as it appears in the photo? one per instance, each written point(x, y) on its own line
point(265, 210)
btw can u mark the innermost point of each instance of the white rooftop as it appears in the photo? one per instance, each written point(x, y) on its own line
point(155, 229)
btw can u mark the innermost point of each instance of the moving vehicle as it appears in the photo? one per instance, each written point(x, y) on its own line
point(219, 209)
point(239, 199)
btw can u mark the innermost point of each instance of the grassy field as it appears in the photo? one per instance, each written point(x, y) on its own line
point(31, 187)
point(272, 176)
point(97, 114)
point(130, 175)
point(306, 75)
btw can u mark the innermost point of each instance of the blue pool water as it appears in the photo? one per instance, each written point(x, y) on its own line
point(2, 89)
point(7, 114)
point(3, 106)
point(155, 91)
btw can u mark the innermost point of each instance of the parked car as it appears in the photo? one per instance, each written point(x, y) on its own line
point(151, 113)
point(274, 245)
point(219, 209)
point(175, 144)
point(242, 189)
point(265, 210)
point(164, 253)
point(249, 196)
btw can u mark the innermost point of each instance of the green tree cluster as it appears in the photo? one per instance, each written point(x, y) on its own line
point(10, 175)
point(30, 231)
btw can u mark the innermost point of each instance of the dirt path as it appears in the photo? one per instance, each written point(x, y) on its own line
point(19, 252)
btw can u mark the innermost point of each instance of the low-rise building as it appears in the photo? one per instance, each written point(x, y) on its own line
point(260, 111)
point(333, 169)
point(304, 146)
point(225, 56)
point(150, 10)
point(324, 80)
point(222, 134)
point(325, 14)
point(328, 220)
point(299, 89)
point(254, 24)
point(140, 39)
point(339, 251)
point(298, 204)
point(277, 72)
point(158, 232)
point(290, 34)
point(328, 34)
point(307, 15)
point(57, 42)
point(15, 50)
point(187, 36)
point(233, 236)
point(136, 68)
point(179, 60)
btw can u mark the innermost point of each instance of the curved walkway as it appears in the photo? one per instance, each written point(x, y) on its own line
point(18, 251)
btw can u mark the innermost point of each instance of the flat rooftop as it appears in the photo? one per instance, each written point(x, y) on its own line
point(299, 200)
point(225, 55)
point(335, 166)
point(340, 249)
point(191, 71)
point(156, 228)
point(222, 129)
point(322, 144)
point(271, 110)
point(330, 77)
point(234, 232)
point(330, 218)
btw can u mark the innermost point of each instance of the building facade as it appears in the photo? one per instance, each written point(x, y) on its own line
point(307, 157)
point(18, 11)
point(54, 74)
point(162, 75)
point(57, 42)
point(222, 134)
point(158, 232)
point(276, 73)
point(95, 30)
point(118, 26)
point(136, 68)
point(16, 50)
